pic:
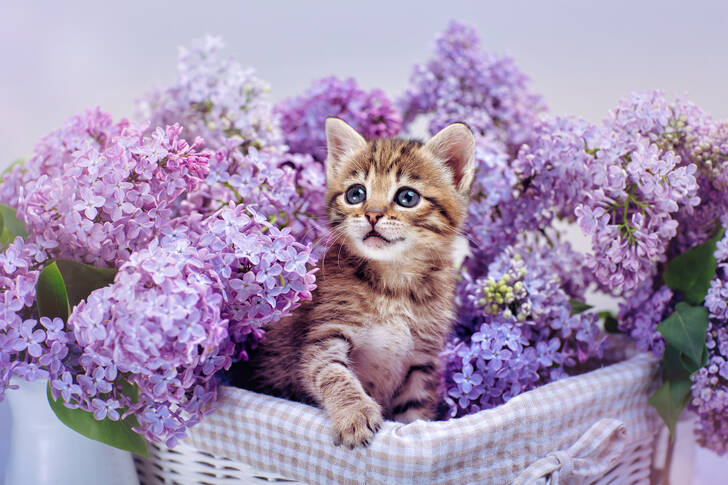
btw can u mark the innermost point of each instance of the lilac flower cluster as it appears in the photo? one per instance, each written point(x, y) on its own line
point(629, 215)
point(226, 104)
point(215, 98)
point(156, 327)
point(515, 329)
point(463, 83)
point(179, 311)
point(302, 117)
point(95, 190)
point(641, 313)
point(545, 180)
point(265, 271)
point(29, 346)
point(710, 383)
point(196, 282)
point(288, 189)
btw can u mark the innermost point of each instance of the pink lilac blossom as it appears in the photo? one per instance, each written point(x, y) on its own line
point(462, 83)
point(95, 191)
point(194, 288)
point(288, 189)
point(154, 327)
point(29, 346)
point(228, 106)
point(302, 117)
point(10, 182)
point(178, 312)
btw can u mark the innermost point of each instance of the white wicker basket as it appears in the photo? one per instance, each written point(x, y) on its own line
point(596, 428)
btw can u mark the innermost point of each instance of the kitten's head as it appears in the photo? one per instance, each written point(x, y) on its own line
point(387, 198)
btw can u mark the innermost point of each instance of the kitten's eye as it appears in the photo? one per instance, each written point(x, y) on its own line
point(407, 197)
point(356, 194)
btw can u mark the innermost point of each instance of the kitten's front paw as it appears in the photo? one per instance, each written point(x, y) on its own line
point(357, 424)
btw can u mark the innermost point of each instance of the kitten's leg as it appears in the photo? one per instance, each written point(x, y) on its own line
point(416, 397)
point(329, 379)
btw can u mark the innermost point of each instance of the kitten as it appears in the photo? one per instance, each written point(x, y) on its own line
point(366, 347)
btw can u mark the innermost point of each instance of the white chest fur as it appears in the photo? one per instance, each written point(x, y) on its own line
point(382, 354)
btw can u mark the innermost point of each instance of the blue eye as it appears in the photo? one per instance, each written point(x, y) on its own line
point(407, 197)
point(356, 194)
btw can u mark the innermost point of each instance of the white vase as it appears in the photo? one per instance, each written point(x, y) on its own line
point(43, 451)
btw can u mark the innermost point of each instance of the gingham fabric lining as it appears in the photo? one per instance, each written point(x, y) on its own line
point(492, 446)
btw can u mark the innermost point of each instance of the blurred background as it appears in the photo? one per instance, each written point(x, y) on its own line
point(59, 58)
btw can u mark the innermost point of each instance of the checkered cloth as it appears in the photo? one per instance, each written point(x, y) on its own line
point(573, 427)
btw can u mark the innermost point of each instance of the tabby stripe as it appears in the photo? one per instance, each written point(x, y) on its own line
point(441, 209)
point(429, 227)
point(403, 408)
point(340, 336)
point(320, 368)
point(426, 368)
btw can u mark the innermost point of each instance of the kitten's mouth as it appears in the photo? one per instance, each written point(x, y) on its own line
point(376, 235)
point(375, 240)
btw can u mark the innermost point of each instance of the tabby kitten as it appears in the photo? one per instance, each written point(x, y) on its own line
point(366, 347)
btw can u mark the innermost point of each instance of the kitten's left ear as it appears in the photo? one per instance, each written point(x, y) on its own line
point(341, 140)
point(454, 146)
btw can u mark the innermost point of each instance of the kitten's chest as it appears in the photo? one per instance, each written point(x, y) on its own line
point(382, 353)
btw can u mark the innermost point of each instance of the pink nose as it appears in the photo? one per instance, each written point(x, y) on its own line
point(373, 216)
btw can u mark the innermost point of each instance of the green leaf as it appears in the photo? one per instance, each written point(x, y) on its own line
point(611, 324)
point(578, 306)
point(670, 399)
point(63, 284)
point(672, 364)
point(10, 226)
point(118, 434)
point(691, 272)
point(51, 296)
point(685, 329)
point(81, 279)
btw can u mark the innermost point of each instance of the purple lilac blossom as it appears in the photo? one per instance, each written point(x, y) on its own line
point(215, 98)
point(683, 128)
point(302, 118)
point(288, 189)
point(515, 330)
point(710, 383)
point(629, 214)
point(546, 180)
point(462, 83)
point(641, 313)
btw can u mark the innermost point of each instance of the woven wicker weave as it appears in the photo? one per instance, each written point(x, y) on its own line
point(615, 444)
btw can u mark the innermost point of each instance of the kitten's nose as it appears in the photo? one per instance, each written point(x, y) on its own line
point(373, 216)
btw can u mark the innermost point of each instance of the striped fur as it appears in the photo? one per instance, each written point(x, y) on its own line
point(366, 347)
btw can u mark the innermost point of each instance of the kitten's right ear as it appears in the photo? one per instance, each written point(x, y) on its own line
point(341, 141)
